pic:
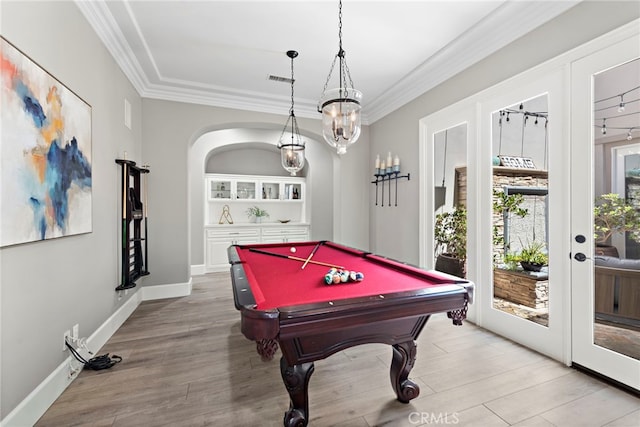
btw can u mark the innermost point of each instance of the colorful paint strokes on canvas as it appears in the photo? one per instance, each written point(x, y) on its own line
point(45, 149)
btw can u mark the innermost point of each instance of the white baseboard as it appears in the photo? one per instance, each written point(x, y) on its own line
point(166, 291)
point(38, 401)
point(42, 397)
point(198, 270)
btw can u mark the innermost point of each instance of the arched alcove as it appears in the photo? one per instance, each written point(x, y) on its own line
point(254, 151)
point(248, 159)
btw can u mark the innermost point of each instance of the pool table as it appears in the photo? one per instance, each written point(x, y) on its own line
point(285, 300)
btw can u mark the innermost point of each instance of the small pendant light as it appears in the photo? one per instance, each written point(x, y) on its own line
point(291, 151)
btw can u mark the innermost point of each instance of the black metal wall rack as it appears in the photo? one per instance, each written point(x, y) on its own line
point(134, 238)
point(391, 176)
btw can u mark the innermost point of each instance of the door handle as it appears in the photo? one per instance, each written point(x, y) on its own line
point(579, 256)
point(580, 239)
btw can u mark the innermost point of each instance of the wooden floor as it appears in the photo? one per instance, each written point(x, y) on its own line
point(185, 363)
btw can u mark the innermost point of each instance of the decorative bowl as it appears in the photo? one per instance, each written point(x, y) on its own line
point(284, 221)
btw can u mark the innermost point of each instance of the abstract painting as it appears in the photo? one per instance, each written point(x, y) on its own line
point(45, 154)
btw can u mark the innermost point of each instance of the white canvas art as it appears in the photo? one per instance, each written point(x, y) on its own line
point(45, 147)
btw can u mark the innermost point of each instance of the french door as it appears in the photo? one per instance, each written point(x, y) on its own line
point(525, 121)
point(597, 167)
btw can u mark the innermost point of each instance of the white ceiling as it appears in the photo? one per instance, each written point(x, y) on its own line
point(221, 53)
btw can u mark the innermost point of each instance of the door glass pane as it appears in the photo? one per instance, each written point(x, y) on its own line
point(617, 209)
point(521, 210)
point(450, 200)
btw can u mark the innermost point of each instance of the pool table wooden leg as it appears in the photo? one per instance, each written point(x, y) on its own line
point(404, 356)
point(296, 379)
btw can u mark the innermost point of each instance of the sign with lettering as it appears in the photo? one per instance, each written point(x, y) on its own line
point(516, 162)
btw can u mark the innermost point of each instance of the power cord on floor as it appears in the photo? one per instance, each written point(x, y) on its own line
point(96, 363)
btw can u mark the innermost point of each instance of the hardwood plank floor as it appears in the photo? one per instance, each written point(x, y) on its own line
point(186, 363)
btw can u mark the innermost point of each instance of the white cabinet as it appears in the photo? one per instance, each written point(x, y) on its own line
point(253, 187)
point(218, 239)
point(282, 197)
point(285, 234)
point(224, 187)
point(292, 189)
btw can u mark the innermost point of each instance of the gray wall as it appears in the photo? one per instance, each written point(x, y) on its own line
point(47, 287)
point(393, 231)
point(249, 161)
point(321, 169)
point(172, 130)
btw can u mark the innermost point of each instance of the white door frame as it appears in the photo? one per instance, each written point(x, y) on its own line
point(447, 118)
point(550, 340)
point(623, 369)
point(562, 113)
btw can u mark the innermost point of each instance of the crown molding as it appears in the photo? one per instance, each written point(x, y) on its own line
point(103, 23)
point(508, 23)
point(101, 20)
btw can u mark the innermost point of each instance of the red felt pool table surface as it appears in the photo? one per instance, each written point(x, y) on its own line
point(278, 282)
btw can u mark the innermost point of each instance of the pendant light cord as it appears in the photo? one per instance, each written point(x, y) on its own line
point(292, 80)
point(344, 68)
point(524, 124)
point(444, 163)
point(500, 140)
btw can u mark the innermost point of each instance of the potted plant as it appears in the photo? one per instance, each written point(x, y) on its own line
point(450, 235)
point(533, 256)
point(505, 204)
point(257, 213)
point(611, 215)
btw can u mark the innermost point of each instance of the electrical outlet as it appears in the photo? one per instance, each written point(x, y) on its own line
point(75, 332)
point(66, 339)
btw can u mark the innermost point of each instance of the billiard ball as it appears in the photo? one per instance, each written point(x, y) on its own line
point(293, 250)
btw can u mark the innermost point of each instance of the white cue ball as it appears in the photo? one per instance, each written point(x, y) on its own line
point(293, 250)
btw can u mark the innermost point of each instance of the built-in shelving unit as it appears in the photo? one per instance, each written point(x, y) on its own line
point(227, 199)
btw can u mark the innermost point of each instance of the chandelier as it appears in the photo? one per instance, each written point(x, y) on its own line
point(340, 107)
point(291, 151)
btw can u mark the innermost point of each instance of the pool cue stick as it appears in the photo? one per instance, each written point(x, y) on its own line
point(311, 255)
point(295, 258)
point(145, 207)
point(125, 241)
